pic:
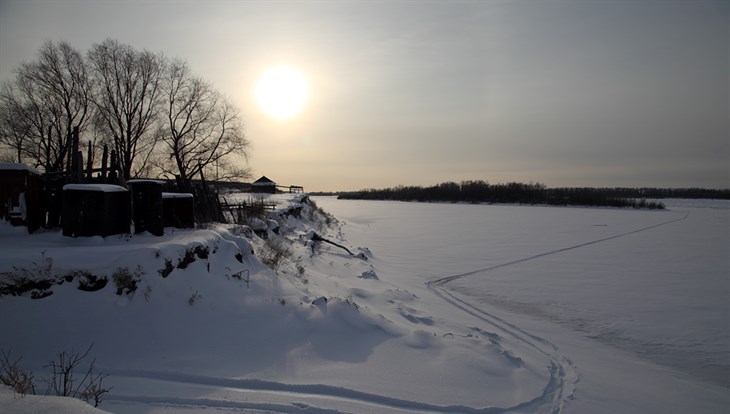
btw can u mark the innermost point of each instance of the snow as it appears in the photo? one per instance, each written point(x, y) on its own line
point(648, 289)
point(14, 166)
point(10, 402)
point(106, 188)
point(138, 180)
point(177, 195)
point(443, 308)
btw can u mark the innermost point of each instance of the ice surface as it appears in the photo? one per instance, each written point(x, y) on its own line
point(653, 285)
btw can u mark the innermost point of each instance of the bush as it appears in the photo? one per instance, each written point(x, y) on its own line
point(15, 377)
point(63, 380)
point(273, 253)
point(194, 298)
point(319, 216)
point(125, 281)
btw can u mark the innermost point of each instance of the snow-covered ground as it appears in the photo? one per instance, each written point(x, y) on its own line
point(441, 308)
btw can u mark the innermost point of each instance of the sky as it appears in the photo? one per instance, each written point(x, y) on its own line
point(565, 93)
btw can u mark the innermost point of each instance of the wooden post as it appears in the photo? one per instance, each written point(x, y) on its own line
point(104, 160)
point(66, 154)
point(48, 149)
point(89, 162)
point(113, 177)
point(204, 198)
point(79, 172)
point(74, 164)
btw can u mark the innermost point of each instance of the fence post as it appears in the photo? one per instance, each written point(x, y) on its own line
point(89, 162)
point(104, 160)
point(73, 155)
point(113, 178)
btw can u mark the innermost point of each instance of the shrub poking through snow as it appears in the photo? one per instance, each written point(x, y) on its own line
point(194, 298)
point(165, 271)
point(63, 381)
point(36, 278)
point(317, 215)
point(301, 271)
point(273, 253)
point(89, 282)
point(125, 281)
point(200, 251)
point(15, 377)
point(11, 284)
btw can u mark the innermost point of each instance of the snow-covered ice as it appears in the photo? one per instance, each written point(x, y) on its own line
point(638, 301)
point(442, 308)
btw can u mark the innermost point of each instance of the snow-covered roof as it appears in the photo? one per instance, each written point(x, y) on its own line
point(16, 166)
point(107, 188)
point(177, 195)
point(134, 181)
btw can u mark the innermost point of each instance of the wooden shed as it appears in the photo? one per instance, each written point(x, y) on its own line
point(21, 195)
point(263, 185)
point(95, 210)
point(147, 206)
point(178, 210)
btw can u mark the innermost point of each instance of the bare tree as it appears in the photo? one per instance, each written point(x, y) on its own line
point(58, 83)
point(14, 128)
point(26, 123)
point(135, 98)
point(127, 93)
point(49, 98)
point(202, 128)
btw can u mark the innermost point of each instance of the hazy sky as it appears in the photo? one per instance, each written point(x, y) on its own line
point(567, 93)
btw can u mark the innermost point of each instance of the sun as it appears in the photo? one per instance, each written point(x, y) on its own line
point(281, 92)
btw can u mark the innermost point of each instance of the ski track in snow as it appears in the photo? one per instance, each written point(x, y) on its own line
point(563, 375)
point(559, 389)
point(305, 390)
point(221, 404)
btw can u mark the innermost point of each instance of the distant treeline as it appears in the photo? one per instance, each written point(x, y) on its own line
point(533, 193)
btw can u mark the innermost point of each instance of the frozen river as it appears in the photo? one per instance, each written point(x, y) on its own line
point(652, 285)
point(441, 308)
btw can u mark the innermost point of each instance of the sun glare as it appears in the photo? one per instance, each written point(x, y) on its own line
point(281, 92)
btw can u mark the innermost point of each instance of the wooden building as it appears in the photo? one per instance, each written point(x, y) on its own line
point(178, 210)
point(21, 195)
point(263, 185)
point(95, 210)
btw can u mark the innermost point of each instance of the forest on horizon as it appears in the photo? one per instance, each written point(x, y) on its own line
point(480, 191)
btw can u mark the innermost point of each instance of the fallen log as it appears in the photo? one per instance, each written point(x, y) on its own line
point(316, 237)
